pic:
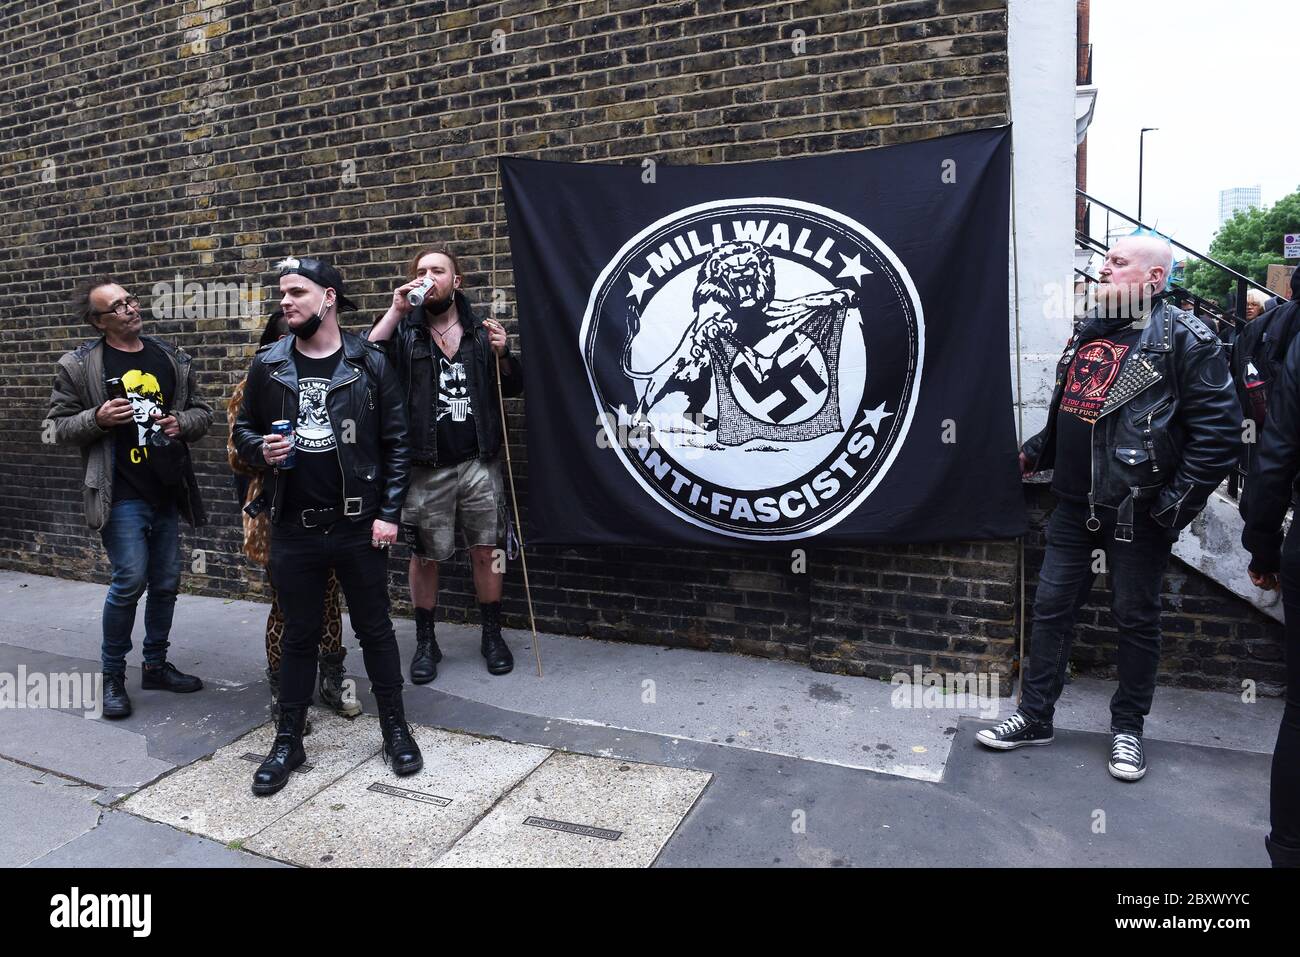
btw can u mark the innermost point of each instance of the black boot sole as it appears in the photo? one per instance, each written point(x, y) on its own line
point(117, 715)
point(501, 669)
point(422, 680)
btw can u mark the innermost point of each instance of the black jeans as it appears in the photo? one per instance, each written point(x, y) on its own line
point(1136, 570)
point(1284, 792)
point(301, 559)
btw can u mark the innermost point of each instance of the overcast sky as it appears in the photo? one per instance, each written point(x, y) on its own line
point(1205, 72)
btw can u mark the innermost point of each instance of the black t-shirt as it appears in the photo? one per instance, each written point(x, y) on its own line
point(1092, 373)
point(316, 479)
point(453, 409)
point(150, 383)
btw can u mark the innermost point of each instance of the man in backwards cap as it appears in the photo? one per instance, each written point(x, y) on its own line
point(337, 506)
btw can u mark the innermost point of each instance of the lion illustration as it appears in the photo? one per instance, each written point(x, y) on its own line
point(735, 300)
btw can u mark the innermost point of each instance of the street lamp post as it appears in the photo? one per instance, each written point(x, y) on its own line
point(1141, 146)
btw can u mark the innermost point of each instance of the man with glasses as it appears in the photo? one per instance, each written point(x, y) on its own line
point(129, 401)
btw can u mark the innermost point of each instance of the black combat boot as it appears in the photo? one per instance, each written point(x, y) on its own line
point(424, 664)
point(329, 685)
point(286, 752)
point(116, 702)
point(400, 749)
point(499, 659)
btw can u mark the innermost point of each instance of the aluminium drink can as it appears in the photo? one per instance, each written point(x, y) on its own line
point(285, 427)
point(416, 296)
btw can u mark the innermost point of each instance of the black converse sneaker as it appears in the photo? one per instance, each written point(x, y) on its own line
point(1017, 731)
point(1127, 762)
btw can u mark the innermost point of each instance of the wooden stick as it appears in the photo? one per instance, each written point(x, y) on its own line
point(501, 405)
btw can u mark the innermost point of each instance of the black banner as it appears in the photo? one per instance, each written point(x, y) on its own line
point(798, 349)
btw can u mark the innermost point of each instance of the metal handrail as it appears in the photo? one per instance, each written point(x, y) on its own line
point(1241, 281)
point(1173, 242)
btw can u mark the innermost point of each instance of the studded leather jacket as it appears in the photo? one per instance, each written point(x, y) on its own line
point(1170, 428)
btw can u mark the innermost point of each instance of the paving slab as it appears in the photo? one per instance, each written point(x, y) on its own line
point(213, 796)
point(582, 811)
point(165, 730)
point(122, 840)
point(372, 818)
point(40, 812)
point(96, 751)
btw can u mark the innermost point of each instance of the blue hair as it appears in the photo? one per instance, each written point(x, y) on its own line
point(1169, 269)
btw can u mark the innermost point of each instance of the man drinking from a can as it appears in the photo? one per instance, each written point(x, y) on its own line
point(448, 359)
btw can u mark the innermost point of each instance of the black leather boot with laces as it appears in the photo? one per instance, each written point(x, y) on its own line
point(424, 663)
point(400, 749)
point(499, 659)
point(286, 752)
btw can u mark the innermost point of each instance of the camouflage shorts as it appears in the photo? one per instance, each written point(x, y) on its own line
point(468, 497)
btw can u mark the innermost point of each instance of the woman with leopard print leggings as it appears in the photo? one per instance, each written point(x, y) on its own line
point(257, 539)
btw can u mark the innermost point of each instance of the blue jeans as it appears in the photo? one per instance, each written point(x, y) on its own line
point(1135, 571)
point(143, 544)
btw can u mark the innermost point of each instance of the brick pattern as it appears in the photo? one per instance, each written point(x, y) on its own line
point(206, 140)
point(949, 608)
point(200, 142)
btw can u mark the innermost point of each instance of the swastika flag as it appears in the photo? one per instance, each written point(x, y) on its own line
point(769, 352)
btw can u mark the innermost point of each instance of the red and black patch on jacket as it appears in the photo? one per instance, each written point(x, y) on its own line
point(1092, 373)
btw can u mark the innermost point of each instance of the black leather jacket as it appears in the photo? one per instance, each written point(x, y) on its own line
point(1271, 482)
point(1170, 429)
point(412, 351)
point(365, 390)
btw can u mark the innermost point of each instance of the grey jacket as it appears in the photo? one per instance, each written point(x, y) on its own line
point(79, 392)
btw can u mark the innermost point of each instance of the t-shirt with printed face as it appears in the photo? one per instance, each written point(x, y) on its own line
point(315, 481)
point(150, 383)
point(1092, 373)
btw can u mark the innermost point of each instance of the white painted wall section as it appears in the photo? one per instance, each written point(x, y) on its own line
point(1041, 58)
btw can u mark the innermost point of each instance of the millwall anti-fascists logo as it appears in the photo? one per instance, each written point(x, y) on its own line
point(755, 364)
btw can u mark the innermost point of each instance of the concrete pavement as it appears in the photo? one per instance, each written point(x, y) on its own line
point(690, 758)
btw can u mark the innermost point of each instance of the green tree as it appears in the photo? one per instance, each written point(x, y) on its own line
point(1249, 243)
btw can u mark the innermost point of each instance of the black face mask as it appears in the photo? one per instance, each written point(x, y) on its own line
point(436, 307)
point(308, 328)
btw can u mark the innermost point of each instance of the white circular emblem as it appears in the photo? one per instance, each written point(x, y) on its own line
point(755, 364)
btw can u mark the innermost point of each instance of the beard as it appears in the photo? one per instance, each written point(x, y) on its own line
point(1118, 302)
